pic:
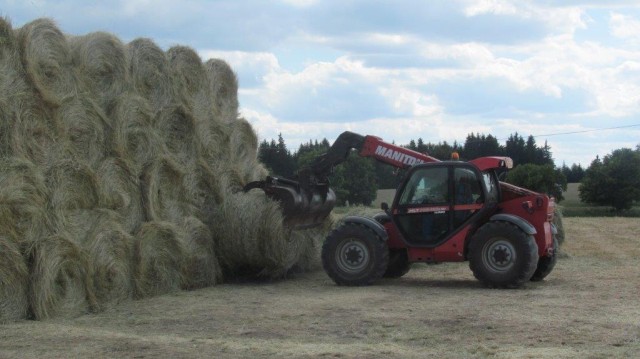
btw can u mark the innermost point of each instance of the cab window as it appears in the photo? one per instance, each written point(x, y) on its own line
point(427, 186)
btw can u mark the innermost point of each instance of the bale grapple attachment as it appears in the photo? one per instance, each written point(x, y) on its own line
point(302, 206)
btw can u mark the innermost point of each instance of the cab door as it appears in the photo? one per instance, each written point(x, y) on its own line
point(423, 206)
point(435, 201)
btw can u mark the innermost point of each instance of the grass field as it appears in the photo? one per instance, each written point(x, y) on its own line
point(587, 308)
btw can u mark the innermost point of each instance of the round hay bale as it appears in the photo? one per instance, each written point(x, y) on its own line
point(188, 70)
point(72, 185)
point(203, 190)
point(109, 249)
point(34, 134)
point(163, 192)
point(201, 266)
point(133, 136)
point(86, 129)
point(119, 190)
point(102, 60)
point(251, 240)
point(159, 259)
point(150, 72)
point(46, 58)
point(177, 126)
point(223, 86)
point(23, 195)
point(14, 280)
point(244, 152)
point(60, 280)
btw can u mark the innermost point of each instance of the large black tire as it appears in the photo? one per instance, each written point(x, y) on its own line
point(354, 254)
point(546, 264)
point(502, 255)
point(399, 264)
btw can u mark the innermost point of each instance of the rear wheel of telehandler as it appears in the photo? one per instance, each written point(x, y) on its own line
point(399, 264)
point(502, 255)
point(546, 264)
point(354, 255)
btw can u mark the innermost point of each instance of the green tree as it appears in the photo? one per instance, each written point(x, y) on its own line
point(354, 180)
point(613, 181)
point(539, 178)
point(277, 157)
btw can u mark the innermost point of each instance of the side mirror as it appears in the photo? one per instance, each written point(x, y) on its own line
point(384, 206)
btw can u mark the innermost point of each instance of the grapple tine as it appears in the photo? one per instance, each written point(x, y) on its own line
point(302, 208)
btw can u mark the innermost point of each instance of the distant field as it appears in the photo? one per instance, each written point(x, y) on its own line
point(573, 207)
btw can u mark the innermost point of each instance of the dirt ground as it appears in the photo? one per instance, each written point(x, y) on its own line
point(587, 308)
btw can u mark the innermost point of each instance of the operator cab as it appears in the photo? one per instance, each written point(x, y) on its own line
point(436, 200)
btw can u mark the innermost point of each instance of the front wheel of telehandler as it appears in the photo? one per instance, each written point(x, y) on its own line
point(546, 264)
point(354, 255)
point(502, 255)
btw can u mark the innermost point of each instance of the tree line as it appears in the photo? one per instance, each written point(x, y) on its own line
point(356, 180)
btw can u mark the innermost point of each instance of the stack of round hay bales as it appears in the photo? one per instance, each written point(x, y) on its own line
point(121, 169)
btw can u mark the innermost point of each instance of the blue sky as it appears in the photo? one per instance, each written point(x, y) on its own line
point(406, 69)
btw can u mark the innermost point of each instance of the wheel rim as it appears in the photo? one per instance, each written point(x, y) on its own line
point(499, 255)
point(352, 256)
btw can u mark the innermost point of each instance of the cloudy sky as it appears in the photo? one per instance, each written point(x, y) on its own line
point(567, 72)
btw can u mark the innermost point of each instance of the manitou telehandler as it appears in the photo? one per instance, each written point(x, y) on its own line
point(443, 211)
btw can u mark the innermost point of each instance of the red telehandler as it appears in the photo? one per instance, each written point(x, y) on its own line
point(443, 211)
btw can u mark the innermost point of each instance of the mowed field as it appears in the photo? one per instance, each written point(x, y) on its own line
point(587, 308)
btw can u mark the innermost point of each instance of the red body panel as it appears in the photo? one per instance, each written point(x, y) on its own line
point(394, 155)
point(533, 207)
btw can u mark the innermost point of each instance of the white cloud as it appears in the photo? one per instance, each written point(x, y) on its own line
point(625, 27)
point(481, 7)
